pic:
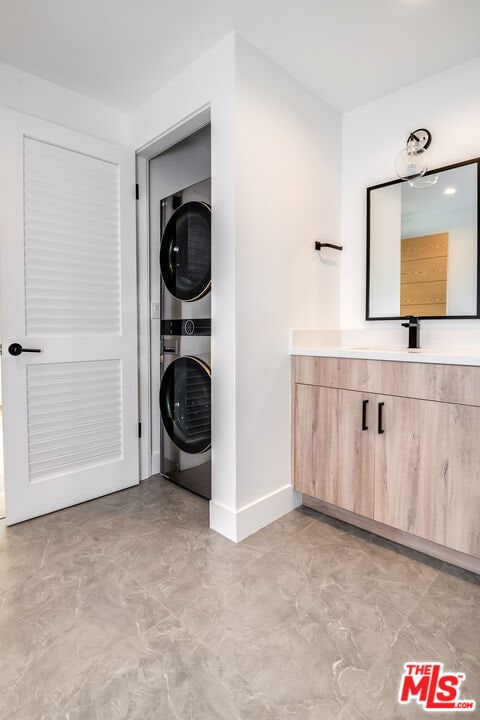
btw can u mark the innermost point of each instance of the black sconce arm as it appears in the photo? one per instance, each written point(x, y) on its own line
point(320, 245)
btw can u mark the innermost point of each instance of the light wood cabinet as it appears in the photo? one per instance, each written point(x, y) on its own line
point(427, 471)
point(421, 475)
point(316, 451)
point(333, 456)
point(355, 460)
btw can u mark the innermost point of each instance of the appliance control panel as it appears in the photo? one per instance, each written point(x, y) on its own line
point(191, 326)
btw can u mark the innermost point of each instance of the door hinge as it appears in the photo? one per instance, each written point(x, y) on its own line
point(137, 191)
point(139, 429)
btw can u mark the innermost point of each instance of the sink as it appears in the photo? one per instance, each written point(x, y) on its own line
point(335, 344)
point(372, 348)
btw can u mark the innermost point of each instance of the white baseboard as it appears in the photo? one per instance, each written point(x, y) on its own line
point(223, 520)
point(238, 524)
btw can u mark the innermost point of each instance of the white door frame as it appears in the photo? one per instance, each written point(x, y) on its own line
point(144, 154)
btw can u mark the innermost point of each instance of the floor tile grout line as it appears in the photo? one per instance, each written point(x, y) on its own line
point(378, 661)
point(140, 585)
point(397, 631)
point(246, 568)
point(61, 715)
point(10, 715)
point(65, 706)
point(44, 565)
point(101, 542)
point(394, 639)
point(293, 627)
point(86, 533)
point(407, 621)
point(423, 595)
point(372, 537)
point(200, 641)
point(281, 543)
point(243, 567)
point(204, 643)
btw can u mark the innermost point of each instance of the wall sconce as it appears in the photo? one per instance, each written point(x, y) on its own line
point(412, 162)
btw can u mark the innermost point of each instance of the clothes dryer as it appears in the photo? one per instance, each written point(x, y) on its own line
point(185, 253)
point(185, 374)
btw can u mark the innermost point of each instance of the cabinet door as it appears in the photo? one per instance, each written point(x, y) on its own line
point(427, 471)
point(333, 456)
point(315, 441)
point(355, 452)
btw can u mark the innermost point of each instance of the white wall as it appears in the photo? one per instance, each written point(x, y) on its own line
point(448, 104)
point(165, 118)
point(287, 196)
point(34, 96)
point(275, 190)
point(385, 236)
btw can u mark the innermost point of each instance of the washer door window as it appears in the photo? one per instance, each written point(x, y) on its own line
point(185, 251)
point(185, 404)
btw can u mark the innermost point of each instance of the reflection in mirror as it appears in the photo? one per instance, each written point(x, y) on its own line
point(422, 245)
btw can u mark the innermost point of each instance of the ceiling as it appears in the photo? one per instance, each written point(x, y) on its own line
point(349, 52)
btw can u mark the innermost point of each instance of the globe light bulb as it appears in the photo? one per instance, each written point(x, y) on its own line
point(424, 181)
point(412, 162)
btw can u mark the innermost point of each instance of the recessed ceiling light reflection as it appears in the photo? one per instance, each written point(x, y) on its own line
point(449, 191)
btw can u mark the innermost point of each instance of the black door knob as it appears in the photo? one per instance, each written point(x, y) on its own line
point(17, 349)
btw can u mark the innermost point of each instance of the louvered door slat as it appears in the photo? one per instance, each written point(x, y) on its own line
point(64, 245)
point(82, 386)
point(73, 420)
point(74, 431)
point(75, 402)
point(81, 410)
point(44, 229)
point(74, 199)
point(72, 462)
point(67, 446)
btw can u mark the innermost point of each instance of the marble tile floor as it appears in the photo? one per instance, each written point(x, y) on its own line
point(129, 608)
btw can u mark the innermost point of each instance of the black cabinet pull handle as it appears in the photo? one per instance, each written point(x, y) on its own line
point(364, 415)
point(380, 418)
point(16, 349)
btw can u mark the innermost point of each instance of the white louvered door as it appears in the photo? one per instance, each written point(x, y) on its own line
point(67, 227)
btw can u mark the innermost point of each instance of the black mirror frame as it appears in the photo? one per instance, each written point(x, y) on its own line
point(426, 317)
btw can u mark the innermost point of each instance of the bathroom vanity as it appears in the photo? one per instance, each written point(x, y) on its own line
point(390, 441)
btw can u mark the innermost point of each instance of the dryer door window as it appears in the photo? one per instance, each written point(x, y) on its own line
point(185, 251)
point(185, 404)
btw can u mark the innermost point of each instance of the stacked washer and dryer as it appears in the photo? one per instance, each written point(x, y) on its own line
point(185, 329)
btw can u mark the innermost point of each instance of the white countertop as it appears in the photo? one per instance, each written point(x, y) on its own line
point(319, 344)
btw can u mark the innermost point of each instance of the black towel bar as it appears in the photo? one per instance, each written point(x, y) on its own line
point(320, 245)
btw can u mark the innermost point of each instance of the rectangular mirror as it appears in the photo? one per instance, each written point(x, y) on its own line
point(422, 245)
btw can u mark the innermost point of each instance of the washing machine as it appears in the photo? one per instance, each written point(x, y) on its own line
point(185, 372)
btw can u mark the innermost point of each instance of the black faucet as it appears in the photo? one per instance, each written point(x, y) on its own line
point(413, 326)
